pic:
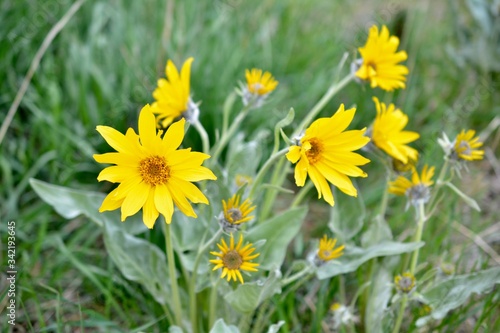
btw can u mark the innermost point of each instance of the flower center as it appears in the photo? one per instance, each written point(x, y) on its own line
point(154, 170)
point(418, 192)
point(371, 68)
point(234, 215)
point(464, 148)
point(313, 150)
point(232, 259)
point(406, 283)
point(256, 87)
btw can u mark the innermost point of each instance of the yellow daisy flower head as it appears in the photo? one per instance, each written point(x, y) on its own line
point(153, 174)
point(380, 61)
point(465, 146)
point(234, 259)
point(327, 250)
point(258, 87)
point(388, 134)
point(417, 189)
point(235, 213)
point(172, 99)
point(325, 153)
point(405, 283)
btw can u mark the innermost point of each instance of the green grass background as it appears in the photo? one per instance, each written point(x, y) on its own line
point(103, 66)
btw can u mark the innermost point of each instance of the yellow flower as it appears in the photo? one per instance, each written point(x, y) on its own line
point(258, 87)
point(233, 259)
point(172, 94)
point(388, 133)
point(466, 144)
point(380, 61)
point(325, 154)
point(258, 83)
point(405, 282)
point(417, 190)
point(327, 250)
point(236, 212)
point(153, 174)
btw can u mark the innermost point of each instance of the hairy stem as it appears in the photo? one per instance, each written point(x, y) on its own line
point(173, 278)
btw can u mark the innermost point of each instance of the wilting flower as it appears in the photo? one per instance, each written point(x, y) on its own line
point(417, 189)
point(327, 250)
point(388, 134)
point(234, 213)
point(233, 259)
point(400, 167)
point(447, 268)
point(172, 98)
point(405, 282)
point(258, 87)
point(325, 153)
point(241, 180)
point(342, 315)
point(153, 174)
point(380, 60)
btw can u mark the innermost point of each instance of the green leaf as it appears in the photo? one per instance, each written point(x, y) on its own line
point(221, 327)
point(347, 218)
point(279, 232)
point(378, 232)
point(139, 261)
point(283, 123)
point(355, 257)
point(175, 329)
point(247, 297)
point(452, 293)
point(468, 200)
point(380, 295)
point(238, 161)
point(70, 203)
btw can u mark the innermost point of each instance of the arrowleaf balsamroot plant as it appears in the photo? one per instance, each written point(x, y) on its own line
point(230, 261)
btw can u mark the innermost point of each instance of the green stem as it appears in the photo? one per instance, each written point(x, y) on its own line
point(168, 314)
point(306, 271)
point(204, 136)
point(213, 304)
point(413, 265)
point(418, 236)
point(302, 193)
point(385, 197)
point(259, 323)
point(343, 301)
point(402, 309)
point(380, 220)
point(173, 278)
point(334, 88)
point(439, 182)
point(270, 194)
point(293, 288)
point(219, 146)
point(264, 169)
point(192, 283)
point(228, 104)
